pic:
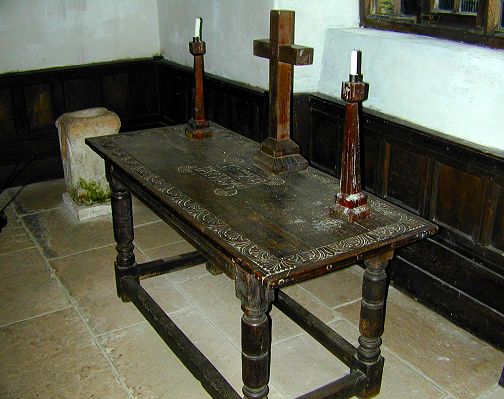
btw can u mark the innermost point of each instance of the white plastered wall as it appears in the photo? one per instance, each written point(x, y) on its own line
point(454, 88)
point(230, 27)
point(450, 87)
point(313, 18)
point(39, 34)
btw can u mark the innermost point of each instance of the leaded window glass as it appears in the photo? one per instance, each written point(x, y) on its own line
point(469, 6)
point(472, 21)
point(445, 5)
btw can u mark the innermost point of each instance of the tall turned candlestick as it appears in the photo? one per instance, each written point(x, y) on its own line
point(198, 127)
point(351, 201)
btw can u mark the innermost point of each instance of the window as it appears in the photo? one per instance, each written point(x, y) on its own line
point(472, 21)
point(463, 6)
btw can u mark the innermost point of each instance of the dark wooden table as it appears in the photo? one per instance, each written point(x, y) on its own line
point(265, 231)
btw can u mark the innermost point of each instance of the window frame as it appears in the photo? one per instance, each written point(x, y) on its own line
point(484, 28)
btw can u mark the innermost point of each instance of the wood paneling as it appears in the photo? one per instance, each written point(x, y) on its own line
point(457, 306)
point(497, 236)
point(457, 200)
point(238, 107)
point(116, 94)
point(37, 170)
point(234, 105)
point(216, 102)
point(325, 145)
point(30, 103)
point(6, 105)
point(145, 93)
point(39, 107)
point(406, 180)
point(245, 119)
point(459, 272)
point(175, 92)
point(301, 123)
point(7, 124)
point(370, 159)
point(81, 93)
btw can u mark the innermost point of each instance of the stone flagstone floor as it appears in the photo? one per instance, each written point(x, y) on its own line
point(65, 334)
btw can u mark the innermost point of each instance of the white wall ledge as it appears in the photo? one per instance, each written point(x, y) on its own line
point(451, 87)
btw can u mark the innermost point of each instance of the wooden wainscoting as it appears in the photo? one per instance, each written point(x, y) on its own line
point(30, 103)
point(144, 93)
point(459, 186)
point(237, 106)
point(459, 272)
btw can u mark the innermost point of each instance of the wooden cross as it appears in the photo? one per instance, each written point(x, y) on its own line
point(278, 152)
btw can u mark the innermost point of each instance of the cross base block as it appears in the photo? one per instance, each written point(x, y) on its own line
point(280, 156)
point(278, 148)
point(197, 130)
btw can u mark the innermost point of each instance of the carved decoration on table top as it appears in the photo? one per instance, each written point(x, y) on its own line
point(229, 177)
point(265, 261)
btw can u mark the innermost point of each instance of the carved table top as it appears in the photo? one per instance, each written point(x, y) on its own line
point(278, 227)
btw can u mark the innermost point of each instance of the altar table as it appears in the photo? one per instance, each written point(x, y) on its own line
point(265, 231)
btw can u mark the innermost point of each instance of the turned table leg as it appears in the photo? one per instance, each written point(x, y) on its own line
point(122, 219)
point(372, 318)
point(255, 335)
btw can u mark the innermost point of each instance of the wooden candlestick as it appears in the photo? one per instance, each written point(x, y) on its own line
point(351, 201)
point(198, 127)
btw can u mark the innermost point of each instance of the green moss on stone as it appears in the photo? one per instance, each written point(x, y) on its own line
point(89, 192)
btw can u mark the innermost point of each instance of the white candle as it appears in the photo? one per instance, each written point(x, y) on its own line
point(197, 27)
point(354, 63)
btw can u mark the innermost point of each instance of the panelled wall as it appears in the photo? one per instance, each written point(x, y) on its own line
point(239, 107)
point(459, 272)
point(30, 103)
point(144, 93)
